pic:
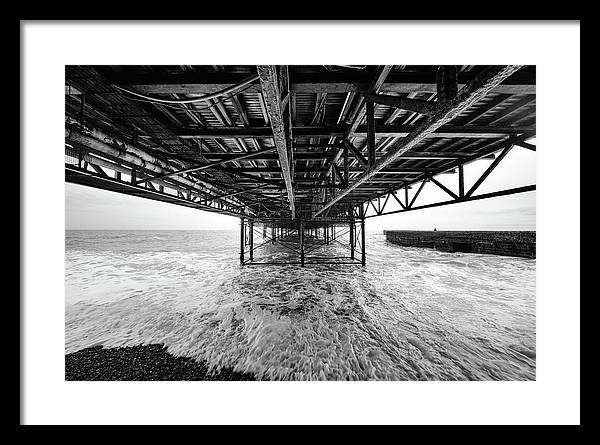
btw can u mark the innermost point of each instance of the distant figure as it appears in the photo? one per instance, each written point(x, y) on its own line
point(434, 229)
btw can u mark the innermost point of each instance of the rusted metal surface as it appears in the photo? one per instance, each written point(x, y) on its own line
point(447, 111)
point(288, 145)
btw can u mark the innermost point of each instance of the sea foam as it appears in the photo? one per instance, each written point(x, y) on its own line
point(409, 314)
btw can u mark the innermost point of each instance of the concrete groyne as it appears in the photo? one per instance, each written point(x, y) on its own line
point(513, 243)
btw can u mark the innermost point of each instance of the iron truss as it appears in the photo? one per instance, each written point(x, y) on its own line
point(305, 152)
point(407, 204)
point(303, 243)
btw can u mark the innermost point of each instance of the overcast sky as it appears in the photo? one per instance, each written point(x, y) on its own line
point(88, 208)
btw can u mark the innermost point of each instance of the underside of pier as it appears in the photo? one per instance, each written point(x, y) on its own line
point(301, 154)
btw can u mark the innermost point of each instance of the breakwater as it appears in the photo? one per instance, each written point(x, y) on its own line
point(510, 243)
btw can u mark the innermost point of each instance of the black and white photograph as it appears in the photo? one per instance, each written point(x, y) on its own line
point(237, 223)
point(304, 159)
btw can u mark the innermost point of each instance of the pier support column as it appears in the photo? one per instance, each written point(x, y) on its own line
point(301, 229)
point(251, 227)
point(242, 236)
point(362, 236)
point(272, 234)
point(352, 239)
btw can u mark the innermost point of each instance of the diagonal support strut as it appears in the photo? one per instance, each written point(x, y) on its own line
point(447, 111)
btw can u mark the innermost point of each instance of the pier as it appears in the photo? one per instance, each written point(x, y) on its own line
point(302, 155)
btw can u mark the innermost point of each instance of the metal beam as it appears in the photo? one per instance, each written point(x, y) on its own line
point(126, 153)
point(447, 111)
point(486, 151)
point(238, 157)
point(239, 192)
point(404, 103)
point(393, 194)
point(371, 132)
point(527, 146)
point(461, 181)
point(346, 167)
point(412, 201)
point(489, 170)
point(318, 169)
point(251, 236)
point(443, 187)
point(79, 176)
point(382, 73)
point(336, 171)
point(357, 154)
point(302, 155)
point(270, 86)
point(354, 82)
point(511, 191)
point(363, 237)
point(446, 131)
point(242, 240)
point(447, 85)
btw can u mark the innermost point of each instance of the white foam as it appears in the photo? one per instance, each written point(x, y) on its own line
point(410, 314)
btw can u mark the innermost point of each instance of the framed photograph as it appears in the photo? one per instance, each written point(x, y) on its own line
point(300, 224)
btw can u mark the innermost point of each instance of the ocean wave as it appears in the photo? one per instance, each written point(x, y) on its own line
point(409, 314)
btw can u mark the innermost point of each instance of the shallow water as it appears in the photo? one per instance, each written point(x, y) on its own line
point(410, 314)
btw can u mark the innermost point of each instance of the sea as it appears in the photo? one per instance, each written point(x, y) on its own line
point(409, 314)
